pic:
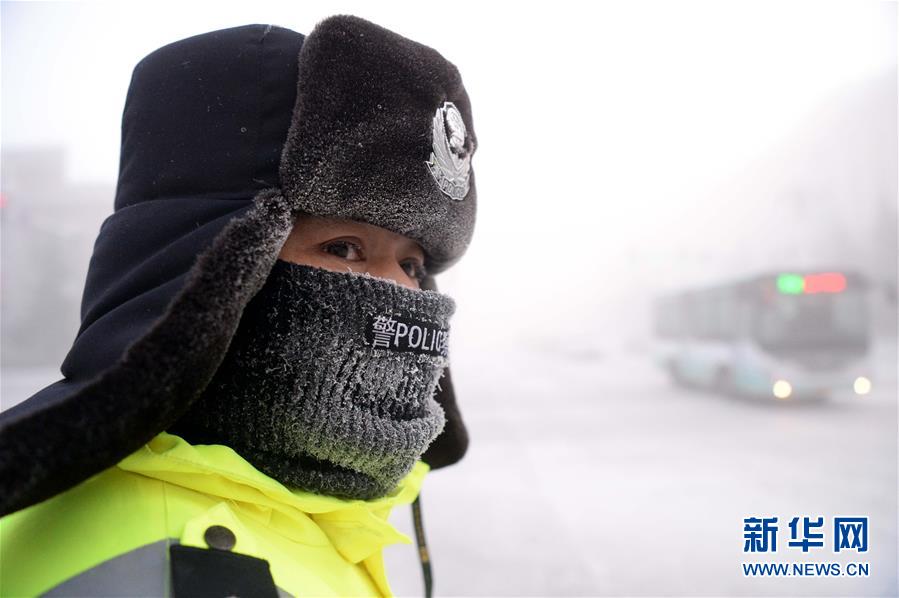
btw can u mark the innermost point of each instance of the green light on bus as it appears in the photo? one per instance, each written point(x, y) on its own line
point(790, 284)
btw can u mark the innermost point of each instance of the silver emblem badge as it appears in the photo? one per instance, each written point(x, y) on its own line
point(450, 162)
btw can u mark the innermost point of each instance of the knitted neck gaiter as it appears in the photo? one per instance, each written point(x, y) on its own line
point(328, 384)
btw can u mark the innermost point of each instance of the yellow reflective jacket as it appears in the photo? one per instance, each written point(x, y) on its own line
point(123, 520)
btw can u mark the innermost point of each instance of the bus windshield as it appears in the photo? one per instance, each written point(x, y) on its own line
point(812, 321)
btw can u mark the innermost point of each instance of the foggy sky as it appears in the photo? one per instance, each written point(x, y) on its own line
point(624, 147)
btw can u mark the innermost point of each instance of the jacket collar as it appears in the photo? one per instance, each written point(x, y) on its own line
point(358, 529)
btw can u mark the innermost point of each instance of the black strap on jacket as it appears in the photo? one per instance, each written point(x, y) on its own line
point(213, 573)
point(423, 555)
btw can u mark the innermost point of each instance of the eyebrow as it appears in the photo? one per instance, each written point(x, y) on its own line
point(413, 245)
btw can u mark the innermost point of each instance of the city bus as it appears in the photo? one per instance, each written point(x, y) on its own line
point(789, 335)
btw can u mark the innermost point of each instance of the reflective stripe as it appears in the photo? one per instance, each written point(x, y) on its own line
point(142, 572)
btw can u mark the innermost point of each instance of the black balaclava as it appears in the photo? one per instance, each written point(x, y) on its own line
point(329, 382)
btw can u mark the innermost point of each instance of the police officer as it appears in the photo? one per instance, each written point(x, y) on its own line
point(261, 370)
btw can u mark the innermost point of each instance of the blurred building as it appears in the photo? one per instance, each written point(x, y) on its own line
point(48, 229)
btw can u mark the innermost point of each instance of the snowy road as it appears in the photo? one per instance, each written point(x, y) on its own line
point(599, 478)
point(591, 476)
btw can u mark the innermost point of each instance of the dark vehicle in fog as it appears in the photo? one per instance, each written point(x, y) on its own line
point(788, 335)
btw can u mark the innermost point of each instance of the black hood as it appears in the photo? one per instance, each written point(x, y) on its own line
point(199, 220)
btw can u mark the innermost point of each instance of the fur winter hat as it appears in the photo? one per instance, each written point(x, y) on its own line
point(382, 133)
point(226, 138)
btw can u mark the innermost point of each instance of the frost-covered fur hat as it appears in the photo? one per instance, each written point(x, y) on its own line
point(226, 138)
point(382, 133)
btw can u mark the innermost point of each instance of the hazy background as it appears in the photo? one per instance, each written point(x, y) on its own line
point(626, 149)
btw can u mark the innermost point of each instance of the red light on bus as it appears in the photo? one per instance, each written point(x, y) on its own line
point(828, 282)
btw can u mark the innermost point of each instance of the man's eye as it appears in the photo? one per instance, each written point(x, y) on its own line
point(344, 249)
point(414, 269)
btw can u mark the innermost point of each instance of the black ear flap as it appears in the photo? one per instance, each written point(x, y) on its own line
point(450, 446)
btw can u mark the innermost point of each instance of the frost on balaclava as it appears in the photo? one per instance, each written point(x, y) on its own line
point(328, 384)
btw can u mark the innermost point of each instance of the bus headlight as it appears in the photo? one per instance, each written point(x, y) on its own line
point(782, 389)
point(861, 386)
